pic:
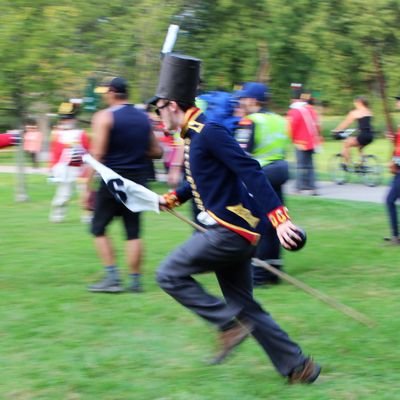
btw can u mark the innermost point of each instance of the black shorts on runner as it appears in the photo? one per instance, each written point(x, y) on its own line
point(107, 207)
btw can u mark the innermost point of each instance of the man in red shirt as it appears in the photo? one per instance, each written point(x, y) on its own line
point(305, 133)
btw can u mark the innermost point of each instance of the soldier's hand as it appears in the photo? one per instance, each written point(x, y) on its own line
point(163, 203)
point(168, 200)
point(291, 236)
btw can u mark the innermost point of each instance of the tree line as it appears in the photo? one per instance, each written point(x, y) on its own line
point(338, 49)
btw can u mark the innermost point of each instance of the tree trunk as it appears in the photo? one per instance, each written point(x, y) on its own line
point(263, 68)
point(20, 184)
point(382, 91)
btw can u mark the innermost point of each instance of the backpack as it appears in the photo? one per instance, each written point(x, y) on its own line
point(219, 107)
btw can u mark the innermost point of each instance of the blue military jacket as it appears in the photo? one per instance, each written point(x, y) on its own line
point(223, 180)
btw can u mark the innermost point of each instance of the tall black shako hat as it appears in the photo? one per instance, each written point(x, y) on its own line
point(179, 79)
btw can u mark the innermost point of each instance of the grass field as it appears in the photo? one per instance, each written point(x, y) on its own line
point(60, 342)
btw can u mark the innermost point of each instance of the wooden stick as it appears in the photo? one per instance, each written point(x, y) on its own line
point(187, 220)
point(350, 312)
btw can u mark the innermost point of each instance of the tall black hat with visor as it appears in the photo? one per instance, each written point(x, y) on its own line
point(179, 79)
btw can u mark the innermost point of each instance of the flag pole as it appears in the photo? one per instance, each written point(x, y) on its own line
point(350, 312)
point(186, 220)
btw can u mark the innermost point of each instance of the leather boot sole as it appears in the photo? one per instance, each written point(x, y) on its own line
point(242, 336)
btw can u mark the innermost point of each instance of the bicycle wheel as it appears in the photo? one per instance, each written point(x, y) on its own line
point(337, 170)
point(371, 170)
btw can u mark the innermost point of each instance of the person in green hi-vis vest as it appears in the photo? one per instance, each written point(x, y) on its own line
point(265, 136)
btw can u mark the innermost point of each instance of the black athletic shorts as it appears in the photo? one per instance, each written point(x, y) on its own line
point(107, 207)
point(364, 139)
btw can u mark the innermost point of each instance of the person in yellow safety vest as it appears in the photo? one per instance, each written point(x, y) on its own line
point(265, 136)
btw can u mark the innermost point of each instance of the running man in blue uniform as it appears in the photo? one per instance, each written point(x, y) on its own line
point(236, 203)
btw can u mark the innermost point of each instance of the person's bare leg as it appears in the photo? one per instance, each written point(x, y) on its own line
point(347, 145)
point(346, 152)
point(105, 250)
point(134, 253)
point(111, 282)
point(360, 151)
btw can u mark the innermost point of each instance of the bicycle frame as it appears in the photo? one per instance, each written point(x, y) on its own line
point(367, 166)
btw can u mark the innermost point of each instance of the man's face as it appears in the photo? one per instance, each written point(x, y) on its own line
point(247, 104)
point(68, 123)
point(109, 97)
point(166, 114)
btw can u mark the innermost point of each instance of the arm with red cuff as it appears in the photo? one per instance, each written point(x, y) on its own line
point(226, 149)
point(278, 216)
point(249, 171)
point(175, 198)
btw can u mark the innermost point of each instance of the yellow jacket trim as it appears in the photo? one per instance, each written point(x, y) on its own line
point(190, 116)
point(255, 236)
point(245, 214)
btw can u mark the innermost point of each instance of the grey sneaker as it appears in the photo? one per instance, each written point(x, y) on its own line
point(107, 285)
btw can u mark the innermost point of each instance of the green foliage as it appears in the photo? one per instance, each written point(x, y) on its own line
point(49, 49)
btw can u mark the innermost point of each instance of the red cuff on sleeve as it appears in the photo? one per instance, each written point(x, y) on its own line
point(278, 216)
point(172, 199)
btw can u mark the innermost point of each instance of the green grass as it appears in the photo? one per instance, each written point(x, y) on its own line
point(60, 342)
point(7, 156)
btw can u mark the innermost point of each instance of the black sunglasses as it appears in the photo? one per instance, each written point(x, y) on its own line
point(157, 110)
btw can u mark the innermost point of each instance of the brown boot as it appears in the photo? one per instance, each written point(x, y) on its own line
point(230, 339)
point(305, 373)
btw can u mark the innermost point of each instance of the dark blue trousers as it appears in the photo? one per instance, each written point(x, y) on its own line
point(269, 247)
point(227, 255)
point(305, 173)
point(392, 196)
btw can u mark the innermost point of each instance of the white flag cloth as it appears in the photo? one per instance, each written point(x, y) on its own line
point(134, 196)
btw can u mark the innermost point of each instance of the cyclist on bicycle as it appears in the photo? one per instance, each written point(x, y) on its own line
point(363, 115)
